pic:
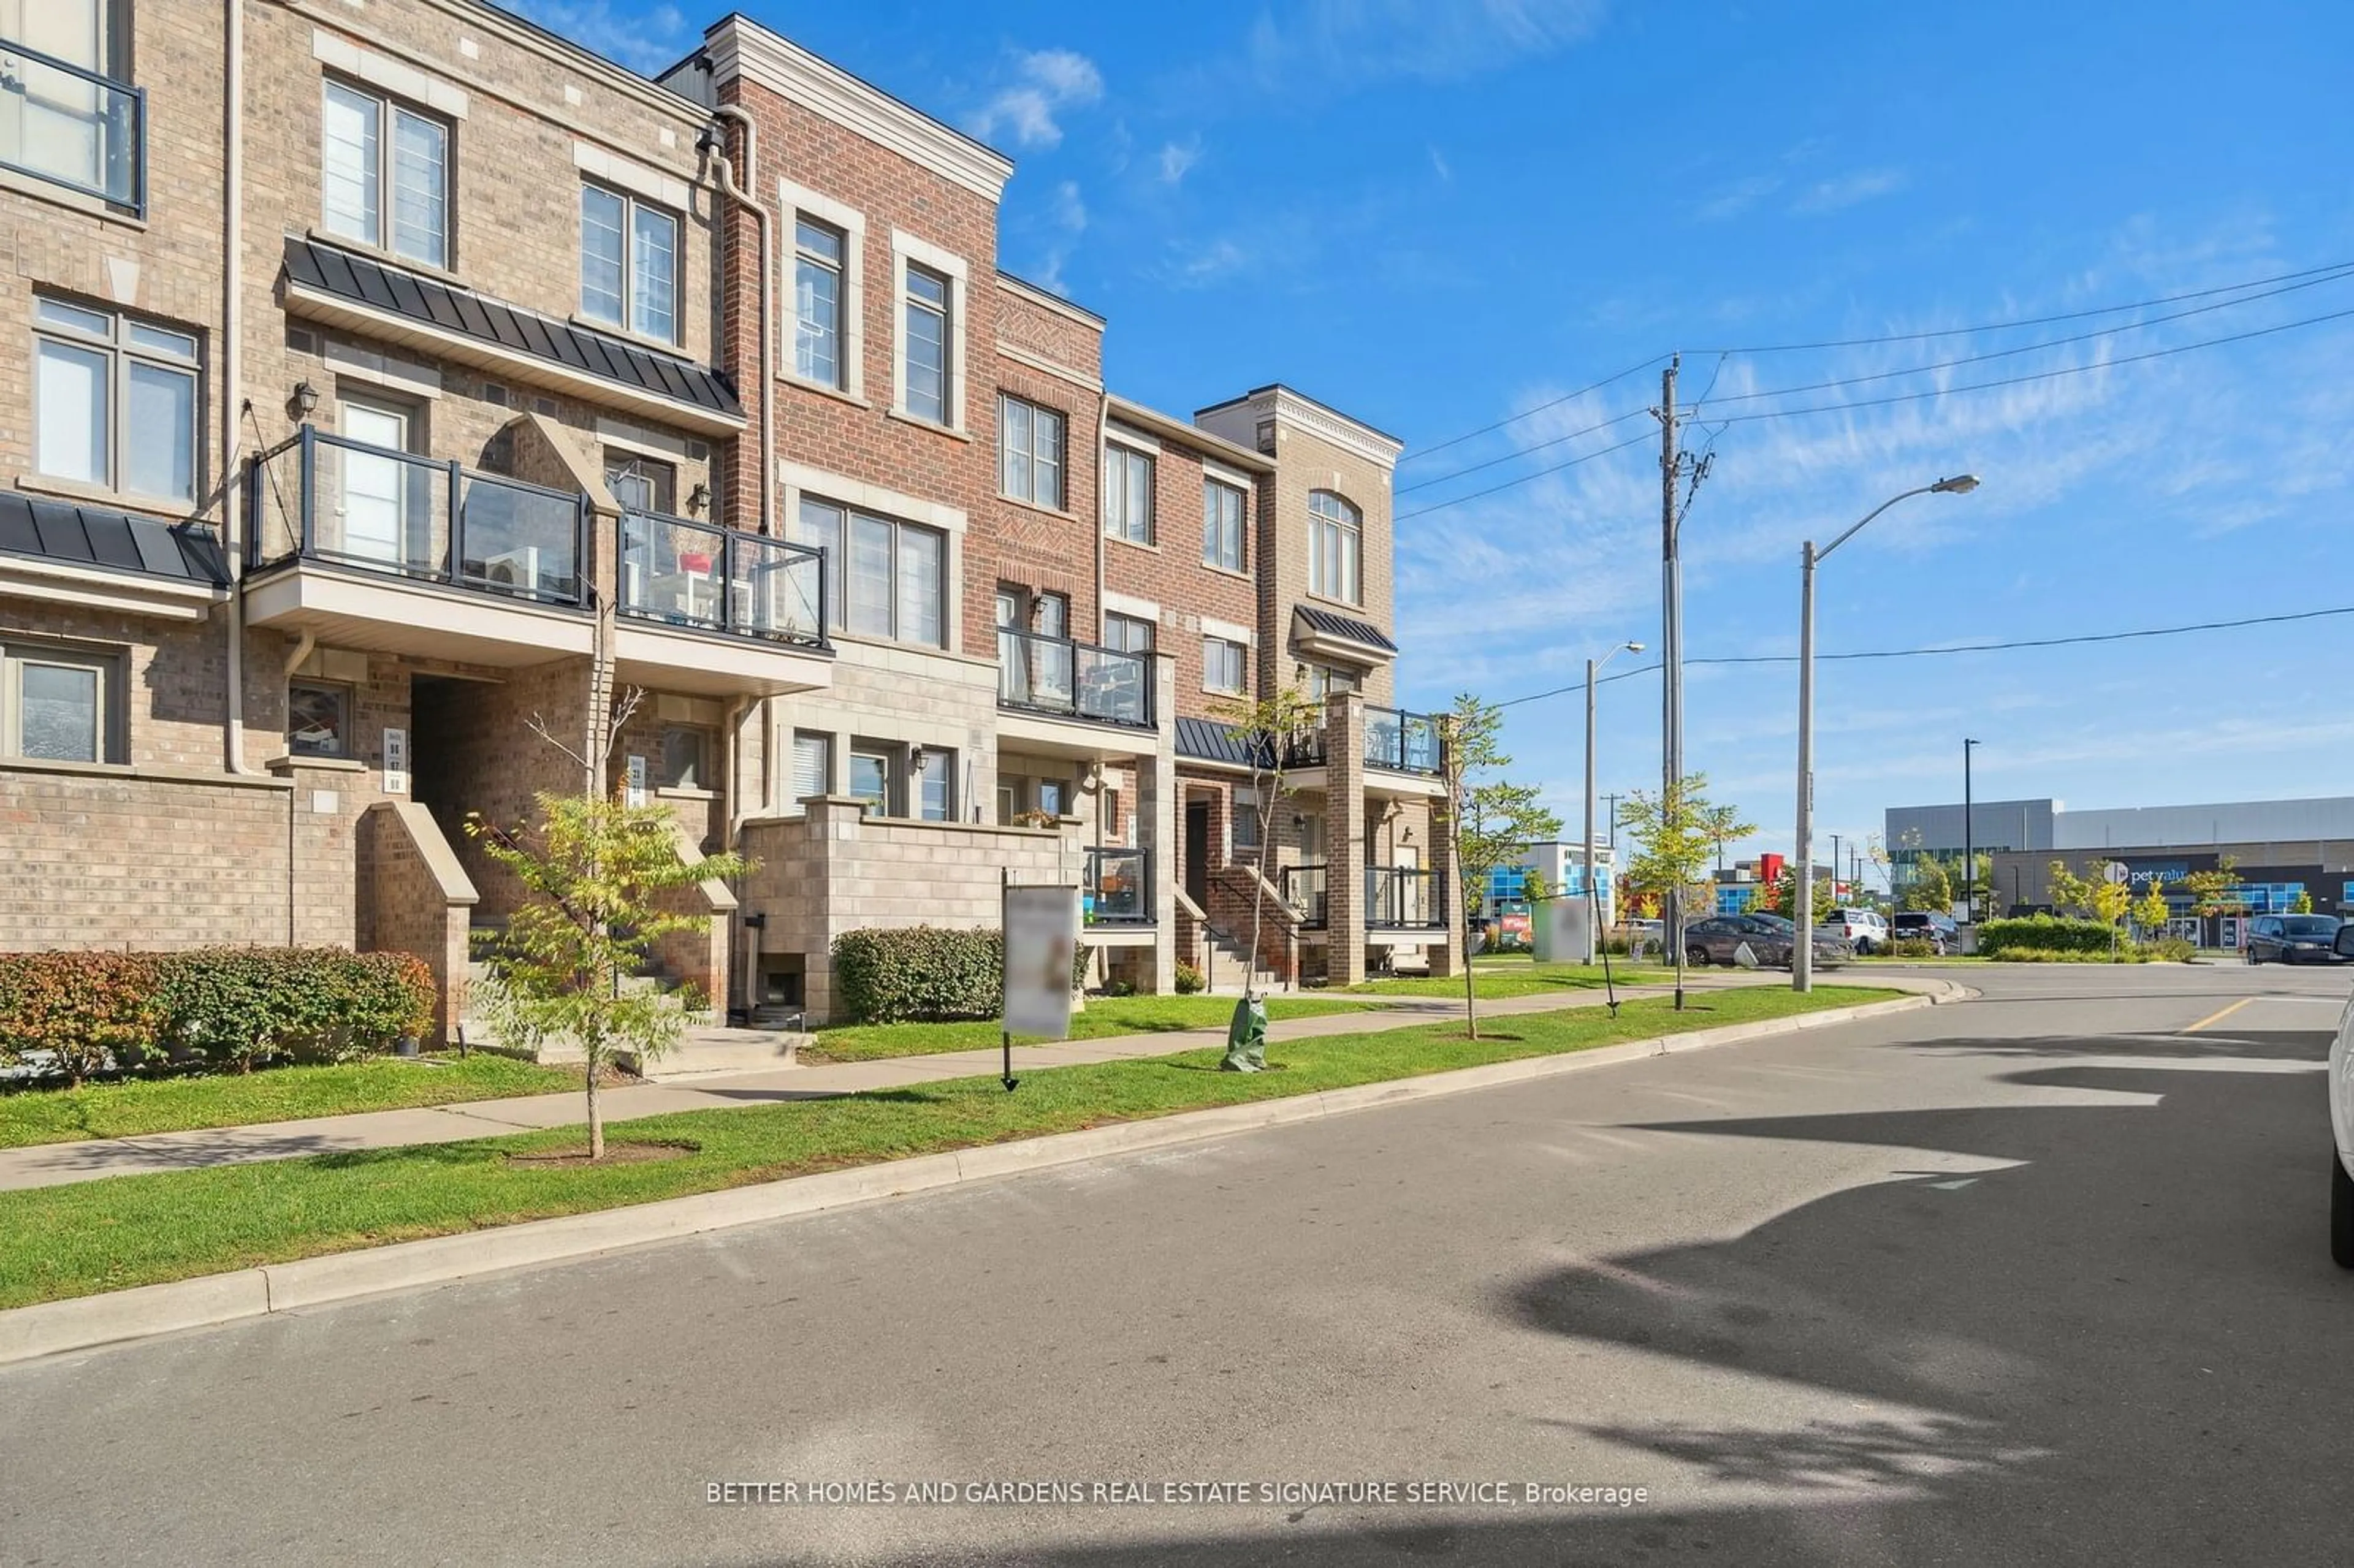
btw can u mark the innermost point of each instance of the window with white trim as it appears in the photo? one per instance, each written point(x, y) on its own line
point(384, 174)
point(813, 765)
point(818, 249)
point(924, 317)
point(1128, 495)
point(1335, 548)
point(1222, 526)
point(59, 704)
point(1223, 664)
point(1030, 451)
point(629, 263)
point(887, 579)
point(114, 401)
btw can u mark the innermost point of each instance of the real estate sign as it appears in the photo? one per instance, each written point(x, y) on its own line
point(1042, 938)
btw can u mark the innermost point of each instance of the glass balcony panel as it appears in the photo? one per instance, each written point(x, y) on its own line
point(520, 539)
point(62, 123)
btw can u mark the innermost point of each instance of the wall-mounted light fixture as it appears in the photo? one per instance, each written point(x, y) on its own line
point(304, 400)
point(699, 499)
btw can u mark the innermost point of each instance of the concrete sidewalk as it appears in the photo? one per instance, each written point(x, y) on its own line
point(53, 1164)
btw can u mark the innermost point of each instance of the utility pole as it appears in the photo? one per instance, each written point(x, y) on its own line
point(1969, 842)
point(1614, 832)
point(1671, 653)
point(1836, 864)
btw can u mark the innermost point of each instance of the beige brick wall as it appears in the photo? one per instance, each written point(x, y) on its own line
point(405, 909)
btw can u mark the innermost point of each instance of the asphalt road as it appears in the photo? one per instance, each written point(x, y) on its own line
point(2038, 1278)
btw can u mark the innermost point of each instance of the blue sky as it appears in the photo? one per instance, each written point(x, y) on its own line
point(1439, 214)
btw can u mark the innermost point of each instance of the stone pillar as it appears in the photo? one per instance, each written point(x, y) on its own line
point(323, 884)
point(1447, 888)
point(832, 829)
point(1156, 827)
point(1345, 829)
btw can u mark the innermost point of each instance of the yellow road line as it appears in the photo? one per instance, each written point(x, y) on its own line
point(2218, 1015)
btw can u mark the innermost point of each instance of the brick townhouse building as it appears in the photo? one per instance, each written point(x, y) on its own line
point(402, 384)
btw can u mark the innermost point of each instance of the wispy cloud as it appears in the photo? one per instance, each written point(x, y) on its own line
point(1358, 43)
point(1043, 85)
point(1850, 190)
point(1176, 159)
point(643, 37)
point(1738, 197)
point(1439, 165)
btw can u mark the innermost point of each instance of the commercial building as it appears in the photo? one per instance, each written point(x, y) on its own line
point(1560, 869)
point(404, 388)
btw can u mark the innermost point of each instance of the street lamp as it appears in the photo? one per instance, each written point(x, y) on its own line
point(1969, 840)
point(1802, 899)
point(1593, 900)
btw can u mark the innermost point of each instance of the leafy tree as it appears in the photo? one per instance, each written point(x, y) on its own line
point(1775, 898)
point(1485, 823)
point(2150, 911)
point(1672, 831)
point(1266, 728)
point(2069, 891)
point(1725, 825)
point(2302, 904)
point(2216, 892)
point(1926, 887)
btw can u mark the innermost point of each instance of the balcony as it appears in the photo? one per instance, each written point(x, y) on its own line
point(1068, 682)
point(1117, 887)
point(72, 127)
point(374, 548)
point(1401, 742)
point(1304, 890)
point(716, 610)
point(1400, 898)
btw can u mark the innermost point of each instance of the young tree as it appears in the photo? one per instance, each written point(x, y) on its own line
point(1725, 825)
point(597, 869)
point(1266, 729)
point(2110, 900)
point(2071, 892)
point(2150, 911)
point(1774, 898)
point(1485, 823)
point(2302, 904)
point(1673, 830)
point(2216, 892)
point(1927, 887)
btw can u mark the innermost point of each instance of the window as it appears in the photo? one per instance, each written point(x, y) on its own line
point(1335, 548)
point(628, 264)
point(1030, 453)
point(1222, 526)
point(926, 323)
point(1323, 681)
point(685, 757)
point(870, 780)
point(1311, 838)
point(932, 776)
point(1111, 814)
point(360, 162)
point(1221, 665)
point(55, 704)
point(1246, 819)
point(114, 401)
point(641, 484)
point(318, 719)
point(888, 578)
point(1053, 797)
point(818, 302)
point(813, 765)
point(1127, 633)
point(1128, 495)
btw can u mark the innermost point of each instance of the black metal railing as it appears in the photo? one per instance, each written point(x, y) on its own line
point(720, 579)
point(1119, 887)
point(73, 126)
point(1401, 742)
point(1044, 675)
point(1304, 889)
point(1304, 748)
point(325, 497)
point(1400, 898)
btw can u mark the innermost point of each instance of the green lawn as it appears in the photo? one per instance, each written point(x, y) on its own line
point(1502, 976)
point(1103, 1016)
point(109, 1234)
point(277, 1094)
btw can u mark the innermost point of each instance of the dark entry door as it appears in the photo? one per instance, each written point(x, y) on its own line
point(1197, 853)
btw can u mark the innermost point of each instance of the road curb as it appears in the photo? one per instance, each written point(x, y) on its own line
point(86, 1322)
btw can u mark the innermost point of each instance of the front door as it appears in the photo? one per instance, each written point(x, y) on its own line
point(1197, 853)
point(373, 501)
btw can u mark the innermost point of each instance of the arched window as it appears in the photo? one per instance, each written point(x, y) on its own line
point(1336, 549)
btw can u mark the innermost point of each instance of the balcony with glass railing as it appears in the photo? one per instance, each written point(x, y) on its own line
point(1063, 679)
point(1403, 898)
point(70, 125)
point(704, 577)
point(1304, 888)
point(1116, 889)
point(332, 500)
point(1401, 742)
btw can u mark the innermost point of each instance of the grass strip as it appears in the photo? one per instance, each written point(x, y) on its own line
point(109, 1235)
point(138, 1106)
point(1102, 1018)
point(1494, 979)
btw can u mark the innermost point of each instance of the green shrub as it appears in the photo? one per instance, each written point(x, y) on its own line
point(88, 1012)
point(922, 973)
point(2045, 934)
point(2174, 949)
point(1188, 979)
point(2126, 954)
point(1913, 947)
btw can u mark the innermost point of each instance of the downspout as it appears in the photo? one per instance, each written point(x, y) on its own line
point(736, 193)
point(232, 375)
point(1103, 435)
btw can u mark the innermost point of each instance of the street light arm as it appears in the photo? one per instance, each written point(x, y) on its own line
point(1867, 516)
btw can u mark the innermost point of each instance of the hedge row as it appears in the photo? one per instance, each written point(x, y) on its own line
point(2046, 934)
point(924, 972)
point(72, 1014)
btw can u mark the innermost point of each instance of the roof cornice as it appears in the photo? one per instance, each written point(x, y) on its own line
point(1154, 423)
point(741, 48)
point(1329, 424)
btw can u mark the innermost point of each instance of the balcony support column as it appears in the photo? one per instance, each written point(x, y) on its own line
point(1156, 825)
point(1345, 839)
point(1447, 894)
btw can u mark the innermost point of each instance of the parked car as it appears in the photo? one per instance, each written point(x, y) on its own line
point(1866, 931)
point(1770, 938)
point(2291, 939)
point(2341, 1120)
point(1921, 924)
point(1648, 937)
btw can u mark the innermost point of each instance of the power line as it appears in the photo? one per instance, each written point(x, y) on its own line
point(1420, 454)
point(2036, 320)
point(1572, 462)
point(1519, 452)
point(2004, 646)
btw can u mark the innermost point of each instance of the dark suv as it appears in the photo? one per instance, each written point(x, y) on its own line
point(2292, 940)
point(1921, 924)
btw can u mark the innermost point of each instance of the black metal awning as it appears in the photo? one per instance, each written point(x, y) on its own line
point(78, 535)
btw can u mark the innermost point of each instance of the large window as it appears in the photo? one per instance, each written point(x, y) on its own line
point(641, 484)
point(114, 401)
point(1323, 681)
point(1127, 633)
point(1030, 453)
point(384, 174)
point(318, 718)
point(628, 264)
point(686, 758)
point(1128, 495)
point(1222, 526)
point(896, 781)
point(925, 318)
point(81, 127)
point(888, 578)
point(1336, 545)
point(56, 705)
point(818, 293)
point(1223, 664)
